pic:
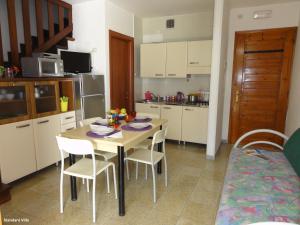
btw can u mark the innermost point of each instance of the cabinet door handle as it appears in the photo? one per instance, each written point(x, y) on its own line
point(188, 109)
point(71, 128)
point(194, 63)
point(154, 107)
point(167, 108)
point(171, 75)
point(158, 75)
point(23, 126)
point(69, 117)
point(45, 121)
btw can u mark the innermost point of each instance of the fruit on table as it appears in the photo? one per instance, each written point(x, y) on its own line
point(123, 111)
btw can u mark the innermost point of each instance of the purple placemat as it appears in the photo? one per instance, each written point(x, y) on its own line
point(128, 128)
point(142, 120)
point(94, 135)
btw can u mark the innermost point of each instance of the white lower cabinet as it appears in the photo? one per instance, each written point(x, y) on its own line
point(173, 114)
point(45, 131)
point(194, 124)
point(148, 108)
point(17, 151)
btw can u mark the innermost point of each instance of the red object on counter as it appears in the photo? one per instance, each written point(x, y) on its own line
point(148, 95)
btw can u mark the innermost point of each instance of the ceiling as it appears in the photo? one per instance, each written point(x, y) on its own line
point(153, 8)
point(156, 8)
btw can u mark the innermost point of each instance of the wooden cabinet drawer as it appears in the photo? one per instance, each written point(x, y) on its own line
point(68, 117)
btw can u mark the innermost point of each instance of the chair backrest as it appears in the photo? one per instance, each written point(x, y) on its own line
point(158, 137)
point(89, 121)
point(75, 146)
point(150, 115)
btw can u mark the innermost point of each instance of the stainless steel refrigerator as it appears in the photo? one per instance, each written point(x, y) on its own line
point(89, 97)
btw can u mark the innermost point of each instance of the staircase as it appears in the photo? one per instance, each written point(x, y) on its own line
point(56, 35)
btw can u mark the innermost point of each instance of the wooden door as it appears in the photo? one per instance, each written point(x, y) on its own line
point(121, 71)
point(261, 80)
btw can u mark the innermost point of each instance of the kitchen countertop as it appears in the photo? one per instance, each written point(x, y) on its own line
point(202, 105)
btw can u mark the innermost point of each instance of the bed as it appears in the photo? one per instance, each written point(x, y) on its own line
point(261, 185)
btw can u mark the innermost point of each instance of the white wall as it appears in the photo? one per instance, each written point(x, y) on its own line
point(187, 27)
point(89, 32)
point(220, 35)
point(293, 114)
point(138, 39)
point(165, 87)
point(284, 15)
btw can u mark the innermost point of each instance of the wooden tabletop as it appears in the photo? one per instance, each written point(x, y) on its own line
point(129, 140)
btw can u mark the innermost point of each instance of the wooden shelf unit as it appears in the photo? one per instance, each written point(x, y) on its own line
point(27, 104)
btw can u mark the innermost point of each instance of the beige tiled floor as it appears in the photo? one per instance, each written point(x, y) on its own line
point(192, 195)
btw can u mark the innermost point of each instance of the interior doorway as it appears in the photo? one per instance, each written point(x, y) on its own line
point(121, 55)
point(261, 80)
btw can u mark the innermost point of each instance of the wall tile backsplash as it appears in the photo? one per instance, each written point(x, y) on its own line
point(165, 87)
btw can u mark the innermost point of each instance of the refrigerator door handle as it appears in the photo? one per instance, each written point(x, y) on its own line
point(82, 108)
point(86, 96)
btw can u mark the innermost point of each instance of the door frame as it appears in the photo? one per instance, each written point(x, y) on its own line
point(130, 40)
point(237, 72)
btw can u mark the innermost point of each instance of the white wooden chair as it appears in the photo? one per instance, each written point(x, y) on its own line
point(85, 168)
point(106, 155)
point(152, 157)
point(146, 143)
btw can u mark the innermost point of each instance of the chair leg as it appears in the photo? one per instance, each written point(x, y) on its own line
point(127, 166)
point(107, 180)
point(82, 180)
point(166, 171)
point(154, 184)
point(136, 170)
point(127, 169)
point(146, 171)
point(94, 199)
point(115, 182)
point(61, 192)
point(87, 185)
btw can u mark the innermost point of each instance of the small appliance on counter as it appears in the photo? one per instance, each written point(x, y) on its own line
point(42, 65)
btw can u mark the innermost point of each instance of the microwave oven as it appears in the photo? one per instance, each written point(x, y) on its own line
point(42, 65)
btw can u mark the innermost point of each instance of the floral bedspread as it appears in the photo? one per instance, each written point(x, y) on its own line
point(259, 190)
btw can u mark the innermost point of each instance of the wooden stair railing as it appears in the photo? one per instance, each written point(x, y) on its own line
point(63, 31)
point(46, 39)
point(1, 50)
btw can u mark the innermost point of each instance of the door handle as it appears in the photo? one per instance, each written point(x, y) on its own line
point(188, 109)
point(69, 117)
point(70, 128)
point(45, 121)
point(194, 63)
point(167, 108)
point(158, 75)
point(172, 75)
point(22, 126)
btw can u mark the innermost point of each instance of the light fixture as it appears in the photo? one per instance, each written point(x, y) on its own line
point(262, 14)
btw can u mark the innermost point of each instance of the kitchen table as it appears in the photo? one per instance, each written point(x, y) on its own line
point(115, 145)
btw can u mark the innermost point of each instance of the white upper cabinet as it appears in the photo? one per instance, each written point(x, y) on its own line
point(176, 60)
point(199, 57)
point(153, 60)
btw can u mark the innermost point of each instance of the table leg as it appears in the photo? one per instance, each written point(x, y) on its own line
point(121, 181)
point(159, 149)
point(73, 180)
